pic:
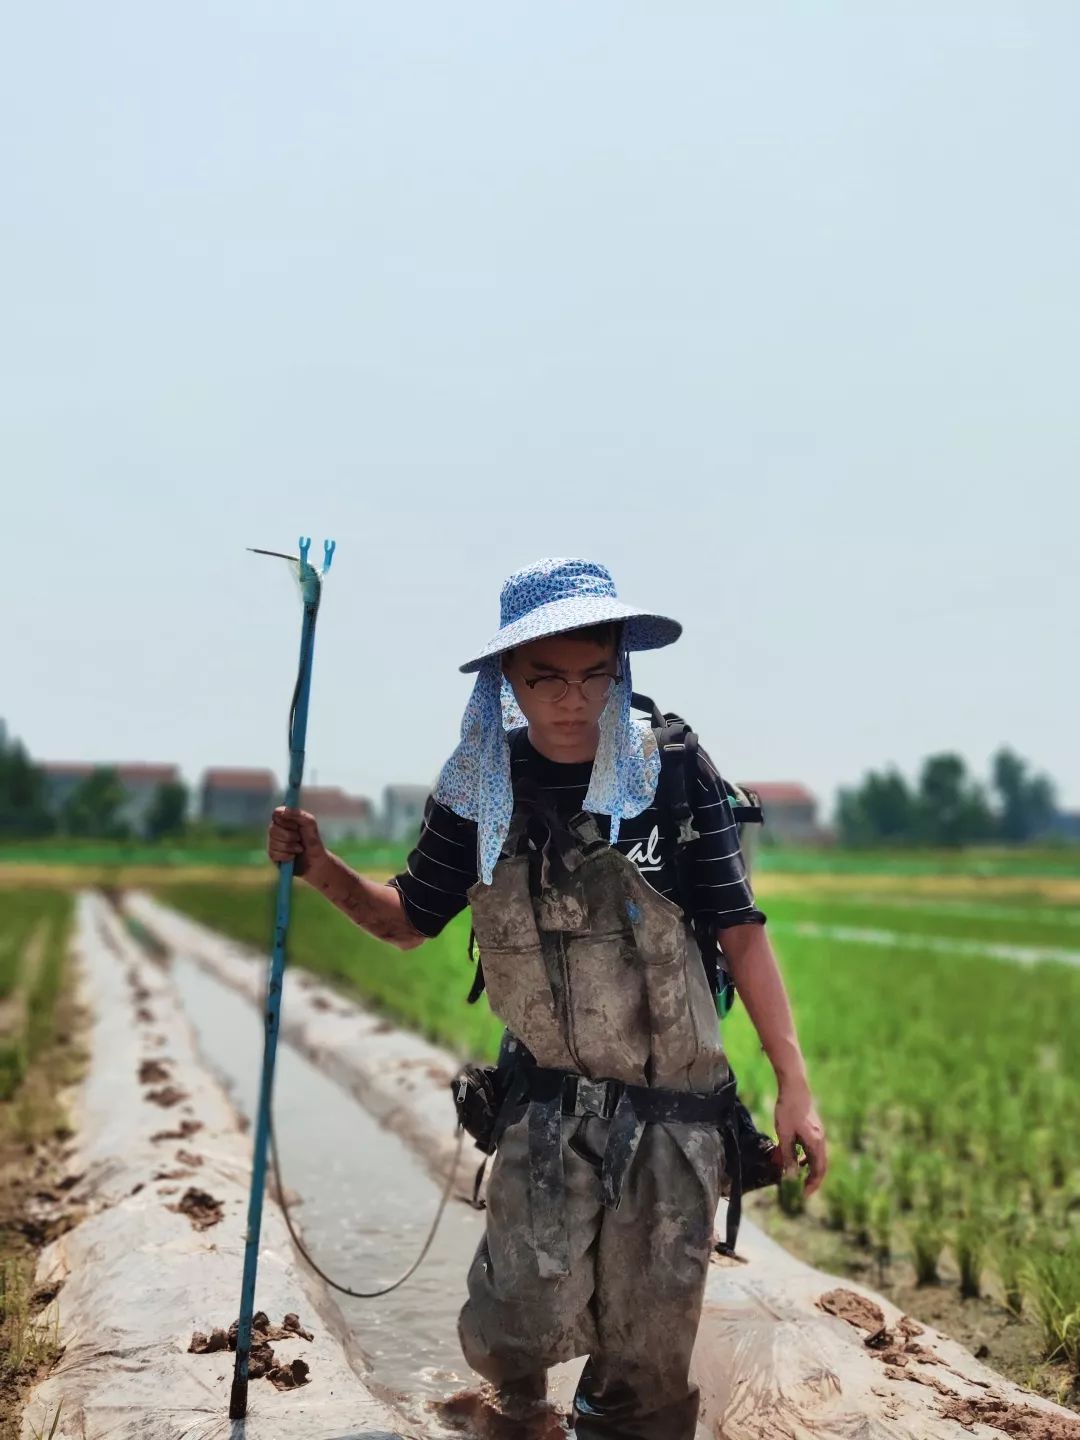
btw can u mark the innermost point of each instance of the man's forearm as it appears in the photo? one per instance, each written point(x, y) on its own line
point(374, 907)
point(757, 977)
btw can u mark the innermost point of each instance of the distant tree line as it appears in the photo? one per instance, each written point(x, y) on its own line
point(95, 808)
point(948, 807)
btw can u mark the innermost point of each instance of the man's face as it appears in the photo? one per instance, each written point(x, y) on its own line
point(566, 728)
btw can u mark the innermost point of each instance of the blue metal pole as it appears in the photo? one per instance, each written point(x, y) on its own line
point(311, 587)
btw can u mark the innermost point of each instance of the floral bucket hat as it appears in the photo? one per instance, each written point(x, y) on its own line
point(551, 598)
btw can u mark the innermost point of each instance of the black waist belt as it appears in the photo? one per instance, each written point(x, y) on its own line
point(547, 1094)
point(582, 1096)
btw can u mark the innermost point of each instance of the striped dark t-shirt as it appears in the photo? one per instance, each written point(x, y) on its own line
point(442, 867)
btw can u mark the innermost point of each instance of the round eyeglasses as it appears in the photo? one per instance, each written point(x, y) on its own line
point(553, 687)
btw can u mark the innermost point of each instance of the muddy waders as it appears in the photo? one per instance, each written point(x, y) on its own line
point(600, 1204)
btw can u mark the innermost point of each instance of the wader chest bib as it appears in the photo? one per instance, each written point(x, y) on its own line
point(598, 973)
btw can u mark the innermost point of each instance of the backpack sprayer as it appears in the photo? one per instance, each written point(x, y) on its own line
point(310, 581)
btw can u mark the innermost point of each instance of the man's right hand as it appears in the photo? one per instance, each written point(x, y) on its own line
point(294, 835)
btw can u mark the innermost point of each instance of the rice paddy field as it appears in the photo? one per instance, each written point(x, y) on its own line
point(938, 1006)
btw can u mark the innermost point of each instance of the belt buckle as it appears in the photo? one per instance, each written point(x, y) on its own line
point(592, 1098)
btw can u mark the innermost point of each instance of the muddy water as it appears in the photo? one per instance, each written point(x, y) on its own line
point(367, 1204)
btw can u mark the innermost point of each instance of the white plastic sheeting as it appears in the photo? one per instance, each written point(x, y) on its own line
point(771, 1361)
point(139, 1277)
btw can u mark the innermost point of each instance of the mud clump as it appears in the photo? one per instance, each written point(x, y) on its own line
point(145, 1014)
point(260, 1359)
point(262, 1362)
point(202, 1344)
point(895, 1348)
point(186, 1129)
point(1022, 1422)
point(289, 1377)
point(291, 1325)
point(262, 1329)
point(200, 1208)
point(167, 1096)
point(153, 1072)
point(856, 1309)
point(186, 1157)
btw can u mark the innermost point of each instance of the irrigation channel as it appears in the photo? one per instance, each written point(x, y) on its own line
point(366, 1202)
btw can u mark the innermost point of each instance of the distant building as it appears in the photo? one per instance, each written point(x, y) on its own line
point(790, 812)
point(139, 783)
point(1065, 825)
point(403, 811)
point(340, 816)
point(237, 799)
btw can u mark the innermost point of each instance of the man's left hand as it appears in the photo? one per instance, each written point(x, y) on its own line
point(798, 1120)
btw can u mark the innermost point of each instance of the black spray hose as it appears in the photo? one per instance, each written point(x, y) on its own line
point(334, 1284)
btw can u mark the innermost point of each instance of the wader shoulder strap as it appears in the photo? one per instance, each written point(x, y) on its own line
point(477, 988)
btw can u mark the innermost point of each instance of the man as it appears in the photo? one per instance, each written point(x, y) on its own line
point(547, 822)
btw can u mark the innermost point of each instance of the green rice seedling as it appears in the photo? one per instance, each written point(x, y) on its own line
point(41, 1001)
point(969, 1247)
point(860, 1194)
point(902, 1171)
point(10, 963)
point(837, 1192)
point(27, 1342)
point(853, 1123)
point(39, 1434)
point(962, 1144)
point(928, 1110)
point(12, 1067)
point(792, 1195)
point(1053, 1278)
point(1009, 1242)
point(881, 1223)
point(1033, 1167)
point(932, 1174)
point(927, 1240)
point(1057, 1153)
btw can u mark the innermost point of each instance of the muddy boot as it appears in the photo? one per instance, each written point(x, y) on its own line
point(615, 1411)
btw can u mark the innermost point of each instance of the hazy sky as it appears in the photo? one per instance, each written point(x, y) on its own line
point(773, 308)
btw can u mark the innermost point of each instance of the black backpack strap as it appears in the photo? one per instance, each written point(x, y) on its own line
point(678, 776)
